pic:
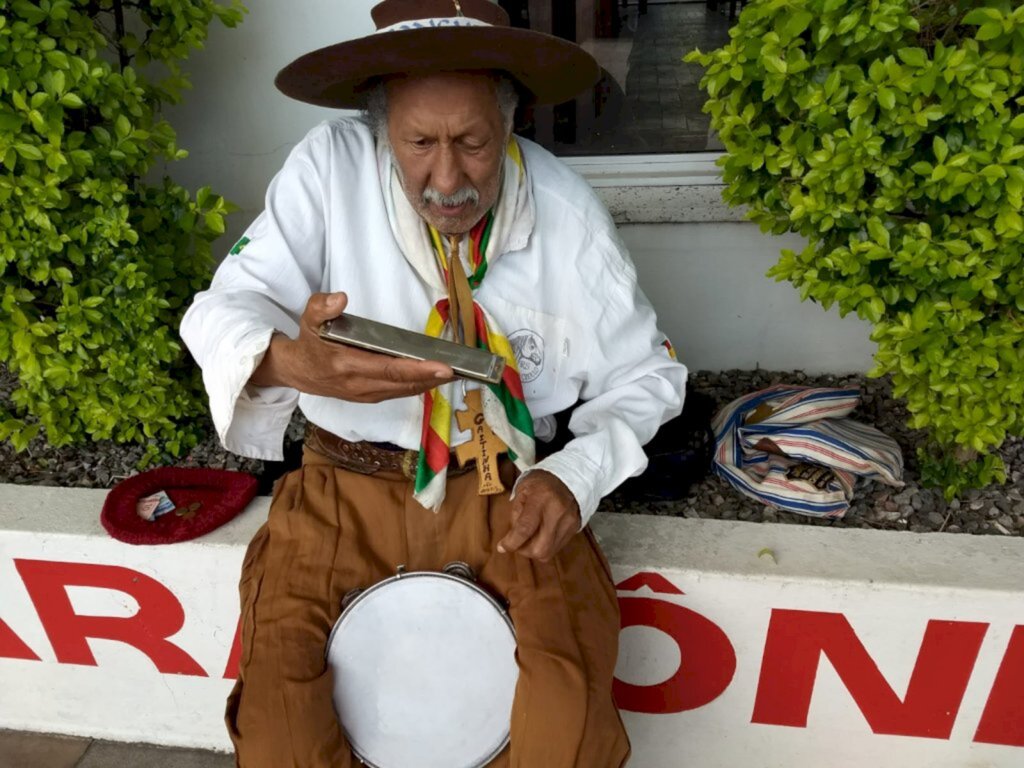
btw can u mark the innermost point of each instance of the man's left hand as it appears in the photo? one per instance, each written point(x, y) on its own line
point(545, 516)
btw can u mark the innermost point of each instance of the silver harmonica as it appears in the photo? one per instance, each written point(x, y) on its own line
point(467, 362)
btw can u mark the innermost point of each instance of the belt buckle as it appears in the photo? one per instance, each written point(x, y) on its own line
point(409, 463)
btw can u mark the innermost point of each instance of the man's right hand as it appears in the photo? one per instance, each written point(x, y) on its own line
point(317, 367)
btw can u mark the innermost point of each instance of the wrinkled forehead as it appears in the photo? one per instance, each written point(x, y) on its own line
point(453, 99)
point(463, 83)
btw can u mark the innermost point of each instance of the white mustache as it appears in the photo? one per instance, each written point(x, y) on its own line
point(457, 198)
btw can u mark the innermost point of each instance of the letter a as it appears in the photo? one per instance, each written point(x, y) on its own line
point(159, 617)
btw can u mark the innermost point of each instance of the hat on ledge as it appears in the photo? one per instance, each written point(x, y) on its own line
point(204, 499)
point(417, 37)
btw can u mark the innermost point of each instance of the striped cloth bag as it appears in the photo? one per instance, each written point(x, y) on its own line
point(793, 448)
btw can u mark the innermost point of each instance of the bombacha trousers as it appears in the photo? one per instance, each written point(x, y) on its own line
point(331, 530)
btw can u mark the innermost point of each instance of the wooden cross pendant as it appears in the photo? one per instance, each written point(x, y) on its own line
point(484, 446)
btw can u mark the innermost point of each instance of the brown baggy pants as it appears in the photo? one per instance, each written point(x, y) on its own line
point(331, 530)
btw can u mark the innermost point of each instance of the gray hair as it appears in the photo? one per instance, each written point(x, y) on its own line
point(376, 110)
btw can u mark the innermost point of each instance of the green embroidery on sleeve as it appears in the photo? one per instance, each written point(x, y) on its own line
point(239, 246)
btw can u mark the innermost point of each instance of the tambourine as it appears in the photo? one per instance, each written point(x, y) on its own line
point(424, 671)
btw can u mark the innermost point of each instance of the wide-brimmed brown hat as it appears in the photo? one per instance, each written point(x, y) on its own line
point(416, 37)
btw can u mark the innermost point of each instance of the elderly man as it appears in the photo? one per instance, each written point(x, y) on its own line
point(428, 214)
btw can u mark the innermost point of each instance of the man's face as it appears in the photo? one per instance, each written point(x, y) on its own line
point(448, 139)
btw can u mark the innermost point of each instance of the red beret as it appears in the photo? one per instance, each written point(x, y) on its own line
point(221, 494)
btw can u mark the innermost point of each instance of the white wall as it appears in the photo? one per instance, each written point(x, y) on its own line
point(841, 648)
point(706, 279)
point(237, 127)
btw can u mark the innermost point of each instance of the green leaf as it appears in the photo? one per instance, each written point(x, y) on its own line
point(57, 59)
point(914, 57)
point(858, 107)
point(122, 127)
point(878, 232)
point(29, 151)
point(775, 64)
point(990, 31)
point(982, 90)
point(1012, 153)
point(798, 23)
point(940, 148)
point(215, 222)
point(982, 15)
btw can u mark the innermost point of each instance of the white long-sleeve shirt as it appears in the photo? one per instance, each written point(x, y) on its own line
point(569, 303)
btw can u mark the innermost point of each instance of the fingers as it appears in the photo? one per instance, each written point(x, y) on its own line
point(349, 373)
point(545, 516)
point(324, 306)
point(526, 519)
point(374, 377)
point(549, 540)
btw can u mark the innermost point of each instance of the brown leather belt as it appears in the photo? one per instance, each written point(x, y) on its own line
point(367, 458)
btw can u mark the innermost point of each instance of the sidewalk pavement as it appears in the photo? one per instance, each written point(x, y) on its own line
point(23, 749)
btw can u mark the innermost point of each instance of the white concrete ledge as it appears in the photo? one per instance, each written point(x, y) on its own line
point(668, 205)
point(659, 189)
point(742, 644)
point(826, 555)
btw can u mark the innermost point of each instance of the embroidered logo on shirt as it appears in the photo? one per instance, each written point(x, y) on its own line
point(671, 350)
point(528, 347)
point(239, 246)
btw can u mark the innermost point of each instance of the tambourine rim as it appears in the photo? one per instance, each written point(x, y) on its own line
point(462, 581)
point(410, 575)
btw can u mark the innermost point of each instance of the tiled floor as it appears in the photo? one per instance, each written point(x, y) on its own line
point(19, 749)
point(661, 89)
point(651, 99)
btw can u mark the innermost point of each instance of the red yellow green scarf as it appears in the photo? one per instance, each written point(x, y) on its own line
point(505, 408)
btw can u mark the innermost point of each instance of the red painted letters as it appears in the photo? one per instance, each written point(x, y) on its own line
point(655, 581)
point(796, 640)
point(235, 657)
point(1002, 722)
point(160, 615)
point(706, 668)
point(793, 648)
point(12, 646)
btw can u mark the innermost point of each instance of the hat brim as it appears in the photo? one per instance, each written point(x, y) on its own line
point(222, 495)
point(553, 70)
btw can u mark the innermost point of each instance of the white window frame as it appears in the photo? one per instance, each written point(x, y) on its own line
point(691, 169)
point(658, 189)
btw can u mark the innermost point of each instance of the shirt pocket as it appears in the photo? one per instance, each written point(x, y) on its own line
point(540, 345)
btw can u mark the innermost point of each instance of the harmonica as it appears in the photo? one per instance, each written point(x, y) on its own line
point(374, 336)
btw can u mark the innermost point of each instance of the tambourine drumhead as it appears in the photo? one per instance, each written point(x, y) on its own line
point(424, 673)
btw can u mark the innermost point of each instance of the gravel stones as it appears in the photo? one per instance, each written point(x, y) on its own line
point(911, 508)
point(998, 510)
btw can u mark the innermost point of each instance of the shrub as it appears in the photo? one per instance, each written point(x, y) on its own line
point(98, 260)
point(890, 134)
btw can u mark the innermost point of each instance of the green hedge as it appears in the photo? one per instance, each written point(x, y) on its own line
point(98, 259)
point(890, 134)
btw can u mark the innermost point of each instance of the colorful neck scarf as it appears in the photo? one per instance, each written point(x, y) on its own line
point(506, 228)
